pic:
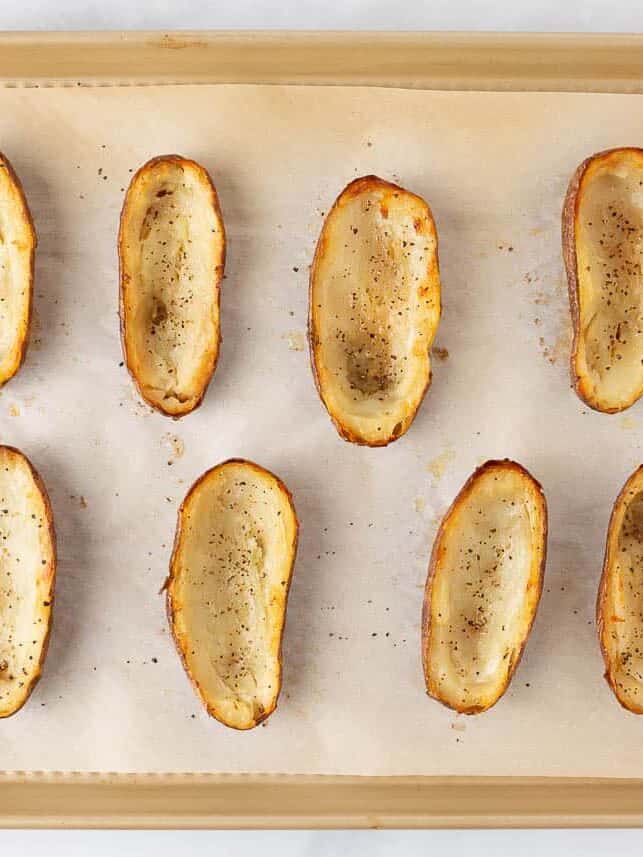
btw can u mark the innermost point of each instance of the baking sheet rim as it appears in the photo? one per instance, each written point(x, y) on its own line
point(272, 801)
point(491, 61)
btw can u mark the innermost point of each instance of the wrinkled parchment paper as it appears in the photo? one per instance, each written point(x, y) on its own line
point(494, 168)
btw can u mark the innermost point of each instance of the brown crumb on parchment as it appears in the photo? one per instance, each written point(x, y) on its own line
point(441, 353)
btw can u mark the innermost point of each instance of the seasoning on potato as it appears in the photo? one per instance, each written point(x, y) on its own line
point(172, 255)
point(483, 586)
point(602, 233)
point(374, 309)
point(227, 590)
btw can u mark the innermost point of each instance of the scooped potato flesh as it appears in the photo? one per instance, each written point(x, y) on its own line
point(483, 597)
point(609, 253)
point(231, 582)
point(173, 252)
point(375, 309)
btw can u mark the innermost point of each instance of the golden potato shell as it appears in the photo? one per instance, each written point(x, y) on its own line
point(172, 255)
point(17, 257)
point(619, 608)
point(483, 586)
point(602, 231)
point(374, 309)
point(227, 591)
point(27, 577)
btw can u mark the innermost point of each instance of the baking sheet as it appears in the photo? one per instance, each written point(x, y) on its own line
point(494, 167)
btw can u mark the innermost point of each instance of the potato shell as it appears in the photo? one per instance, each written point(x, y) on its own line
point(593, 385)
point(19, 467)
point(371, 395)
point(624, 544)
point(244, 472)
point(18, 240)
point(439, 606)
point(160, 324)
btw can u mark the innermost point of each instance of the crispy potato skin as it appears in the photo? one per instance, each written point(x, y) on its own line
point(170, 604)
point(507, 465)
point(149, 167)
point(46, 611)
point(31, 229)
point(601, 599)
point(569, 221)
point(356, 188)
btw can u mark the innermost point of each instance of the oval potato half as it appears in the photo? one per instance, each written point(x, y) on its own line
point(17, 253)
point(227, 591)
point(27, 575)
point(602, 238)
point(172, 255)
point(374, 309)
point(619, 610)
point(483, 586)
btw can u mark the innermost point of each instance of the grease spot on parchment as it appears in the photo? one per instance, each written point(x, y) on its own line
point(627, 423)
point(458, 725)
point(439, 464)
point(14, 410)
point(296, 340)
point(175, 444)
point(420, 504)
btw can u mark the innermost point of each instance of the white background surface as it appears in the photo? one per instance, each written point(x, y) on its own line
point(546, 15)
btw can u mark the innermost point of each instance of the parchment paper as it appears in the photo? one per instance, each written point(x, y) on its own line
point(494, 168)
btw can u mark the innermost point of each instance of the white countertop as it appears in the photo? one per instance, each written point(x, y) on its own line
point(534, 15)
point(537, 15)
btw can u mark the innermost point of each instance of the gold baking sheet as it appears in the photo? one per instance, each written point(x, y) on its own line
point(494, 168)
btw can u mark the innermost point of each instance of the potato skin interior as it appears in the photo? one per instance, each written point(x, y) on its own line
point(619, 612)
point(483, 586)
point(374, 309)
point(172, 254)
point(602, 231)
point(227, 591)
point(17, 258)
point(27, 578)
